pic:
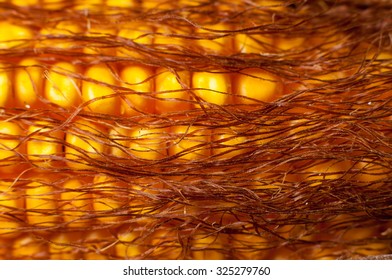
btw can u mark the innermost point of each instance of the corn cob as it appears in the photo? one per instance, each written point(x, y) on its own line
point(196, 130)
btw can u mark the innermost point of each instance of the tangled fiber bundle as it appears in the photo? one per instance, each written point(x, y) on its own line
point(305, 174)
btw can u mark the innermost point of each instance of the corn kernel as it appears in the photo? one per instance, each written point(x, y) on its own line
point(370, 172)
point(165, 243)
point(366, 248)
point(171, 91)
point(80, 144)
point(14, 36)
point(5, 87)
point(94, 90)
point(207, 247)
point(137, 33)
point(289, 44)
point(250, 246)
point(10, 203)
point(251, 43)
point(120, 139)
point(126, 247)
point(274, 5)
point(60, 35)
point(169, 38)
point(155, 5)
point(30, 247)
point(61, 246)
point(213, 88)
point(137, 78)
point(109, 196)
point(89, 5)
point(256, 85)
point(53, 4)
point(168, 5)
point(325, 171)
point(148, 144)
point(75, 204)
point(98, 243)
point(9, 145)
point(220, 43)
point(190, 142)
point(300, 128)
point(100, 31)
point(227, 144)
point(62, 89)
point(44, 144)
point(41, 205)
point(28, 83)
point(141, 198)
point(25, 2)
point(120, 3)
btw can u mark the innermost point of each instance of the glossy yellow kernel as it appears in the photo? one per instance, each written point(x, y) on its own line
point(138, 79)
point(13, 36)
point(10, 135)
point(190, 142)
point(275, 5)
point(172, 92)
point(121, 3)
point(289, 43)
point(255, 85)
point(148, 143)
point(330, 77)
point(207, 247)
point(250, 246)
point(5, 86)
point(11, 203)
point(324, 81)
point(169, 38)
point(126, 248)
point(25, 2)
point(366, 171)
point(384, 56)
point(367, 241)
point(228, 143)
point(110, 196)
point(61, 35)
point(168, 5)
point(28, 83)
point(165, 243)
point(44, 144)
point(325, 171)
point(158, 5)
point(218, 40)
point(252, 43)
point(63, 246)
point(137, 33)
point(89, 5)
point(75, 204)
point(95, 243)
point(213, 88)
point(82, 144)
point(30, 247)
point(41, 205)
point(142, 197)
point(54, 4)
point(61, 88)
point(120, 141)
point(102, 78)
point(100, 31)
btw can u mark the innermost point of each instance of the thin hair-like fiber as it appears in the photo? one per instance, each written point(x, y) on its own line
point(311, 177)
